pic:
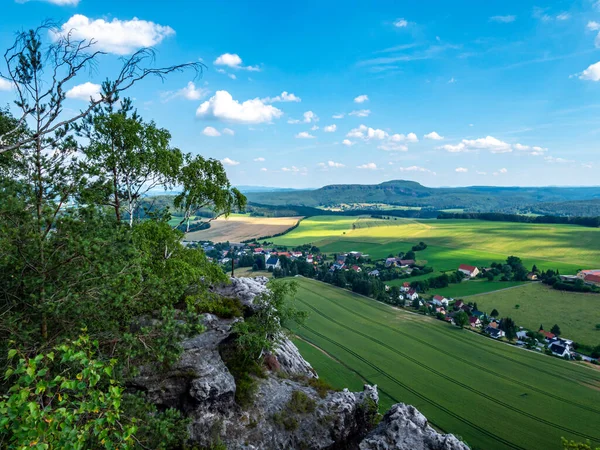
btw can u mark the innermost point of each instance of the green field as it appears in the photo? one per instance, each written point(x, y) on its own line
point(474, 287)
point(493, 395)
point(452, 242)
point(575, 313)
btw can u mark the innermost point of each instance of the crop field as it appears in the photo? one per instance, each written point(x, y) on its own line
point(451, 242)
point(474, 287)
point(491, 394)
point(241, 227)
point(575, 313)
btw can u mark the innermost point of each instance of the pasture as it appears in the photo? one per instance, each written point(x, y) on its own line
point(451, 242)
point(575, 313)
point(473, 287)
point(241, 227)
point(491, 394)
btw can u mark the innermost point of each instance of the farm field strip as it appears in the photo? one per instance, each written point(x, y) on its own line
point(433, 347)
point(456, 371)
point(240, 227)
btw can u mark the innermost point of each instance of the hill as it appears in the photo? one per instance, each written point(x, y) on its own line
point(410, 193)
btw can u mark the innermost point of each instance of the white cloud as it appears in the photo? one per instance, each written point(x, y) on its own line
point(284, 97)
point(461, 169)
point(367, 133)
point(304, 135)
point(330, 128)
point(369, 166)
point(310, 116)
point(347, 142)
point(228, 131)
point(415, 169)
point(592, 73)
point(263, 169)
point(295, 169)
point(293, 121)
point(481, 173)
point(314, 127)
point(451, 80)
point(535, 150)
point(360, 113)
point(121, 37)
point(85, 91)
point(331, 164)
point(593, 25)
point(487, 143)
point(361, 99)
point(552, 160)
point(338, 116)
point(410, 137)
point(400, 23)
point(211, 131)
point(434, 136)
point(503, 19)
point(503, 170)
point(223, 107)
point(259, 159)
point(563, 16)
point(229, 162)
point(56, 2)
point(5, 85)
point(392, 147)
point(190, 92)
point(233, 61)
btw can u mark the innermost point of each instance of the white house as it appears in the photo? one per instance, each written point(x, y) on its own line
point(412, 295)
point(560, 350)
point(272, 262)
point(470, 271)
point(405, 287)
point(439, 300)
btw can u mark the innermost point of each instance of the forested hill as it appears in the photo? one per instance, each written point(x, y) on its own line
point(410, 193)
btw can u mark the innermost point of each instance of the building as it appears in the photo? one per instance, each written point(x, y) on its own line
point(272, 262)
point(439, 300)
point(374, 273)
point(532, 276)
point(582, 273)
point(559, 350)
point(470, 271)
point(357, 269)
point(412, 294)
point(474, 321)
point(592, 279)
point(494, 333)
point(405, 262)
point(405, 286)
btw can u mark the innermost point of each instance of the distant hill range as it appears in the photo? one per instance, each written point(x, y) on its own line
point(566, 201)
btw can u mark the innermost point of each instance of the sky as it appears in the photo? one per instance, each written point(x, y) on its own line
point(305, 94)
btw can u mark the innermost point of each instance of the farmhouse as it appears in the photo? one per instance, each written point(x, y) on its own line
point(439, 300)
point(374, 273)
point(559, 350)
point(272, 262)
point(583, 273)
point(412, 294)
point(357, 269)
point(405, 286)
point(470, 271)
point(405, 262)
point(532, 276)
point(474, 321)
point(592, 279)
point(458, 304)
point(494, 333)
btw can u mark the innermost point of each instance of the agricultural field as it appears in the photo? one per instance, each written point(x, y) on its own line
point(248, 272)
point(575, 313)
point(473, 287)
point(493, 395)
point(451, 242)
point(241, 227)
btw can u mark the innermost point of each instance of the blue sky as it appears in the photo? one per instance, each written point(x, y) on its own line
point(302, 94)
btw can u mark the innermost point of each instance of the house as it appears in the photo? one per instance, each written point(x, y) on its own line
point(560, 350)
point(458, 304)
point(549, 336)
point(309, 258)
point(296, 254)
point(521, 335)
point(405, 286)
point(389, 262)
point(338, 266)
point(405, 262)
point(439, 300)
point(583, 273)
point(355, 254)
point(374, 273)
point(258, 250)
point(532, 276)
point(474, 321)
point(470, 271)
point(592, 279)
point(412, 294)
point(494, 323)
point(356, 269)
point(478, 314)
point(272, 262)
point(494, 333)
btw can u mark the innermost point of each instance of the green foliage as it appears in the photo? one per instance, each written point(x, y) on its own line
point(301, 403)
point(461, 319)
point(572, 445)
point(223, 307)
point(555, 330)
point(321, 386)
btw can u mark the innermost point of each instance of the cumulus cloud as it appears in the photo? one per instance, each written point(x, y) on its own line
point(503, 170)
point(392, 147)
point(535, 150)
point(233, 61)
point(211, 131)
point(85, 91)
point(314, 127)
point(593, 25)
point(330, 128)
point(361, 99)
point(461, 169)
point(360, 113)
point(400, 23)
point(56, 2)
point(415, 169)
point(338, 116)
point(295, 169)
point(229, 162)
point(553, 160)
point(367, 133)
point(284, 97)
point(310, 116)
point(347, 142)
point(304, 135)
point(563, 16)
point(263, 169)
point(259, 159)
point(368, 166)
point(398, 137)
point(487, 143)
point(228, 131)
point(5, 85)
point(503, 19)
point(592, 73)
point(189, 92)
point(223, 107)
point(331, 164)
point(434, 136)
point(121, 37)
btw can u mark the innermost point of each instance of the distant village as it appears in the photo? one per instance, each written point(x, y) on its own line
point(382, 280)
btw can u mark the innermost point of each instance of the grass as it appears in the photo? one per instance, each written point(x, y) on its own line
point(493, 395)
point(452, 242)
point(248, 272)
point(474, 287)
point(575, 313)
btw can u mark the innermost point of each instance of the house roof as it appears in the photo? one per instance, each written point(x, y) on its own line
point(467, 267)
point(473, 319)
point(493, 331)
point(547, 334)
point(272, 260)
point(478, 313)
point(406, 261)
point(439, 297)
point(459, 303)
point(590, 272)
point(406, 284)
point(355, 267)
point(592, 278)
point(412, 292)
point(557, 348)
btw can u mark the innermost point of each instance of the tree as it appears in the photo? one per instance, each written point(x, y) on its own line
point(555, 330)
point(508, 326)
point(494, 313)
point(461, 319)
point(395, 295)
point(489, 275)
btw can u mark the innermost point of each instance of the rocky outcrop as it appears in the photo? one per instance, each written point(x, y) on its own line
point(405, 428)
point(288, 412)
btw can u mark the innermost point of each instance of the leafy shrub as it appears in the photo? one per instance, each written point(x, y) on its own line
point(301, 403)
point(321, 386)
point(287, 421)
point(223, 307)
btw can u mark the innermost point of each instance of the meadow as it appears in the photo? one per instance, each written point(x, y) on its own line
point(493, 395)
point(242, 227)
point(452, 242)
point(575, 313)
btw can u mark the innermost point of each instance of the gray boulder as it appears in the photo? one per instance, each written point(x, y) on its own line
point(245, 289)
point(405, 428)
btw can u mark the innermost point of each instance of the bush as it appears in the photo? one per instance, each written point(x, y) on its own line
point(301, 403)
point(223, 307)
point(321, 386)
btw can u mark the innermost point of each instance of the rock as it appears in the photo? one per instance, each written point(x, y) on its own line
point(291, 361)
point(245, 289)
point(405, 428)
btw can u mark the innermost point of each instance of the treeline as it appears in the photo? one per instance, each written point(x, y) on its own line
point(262, 210)
point(593, 222)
